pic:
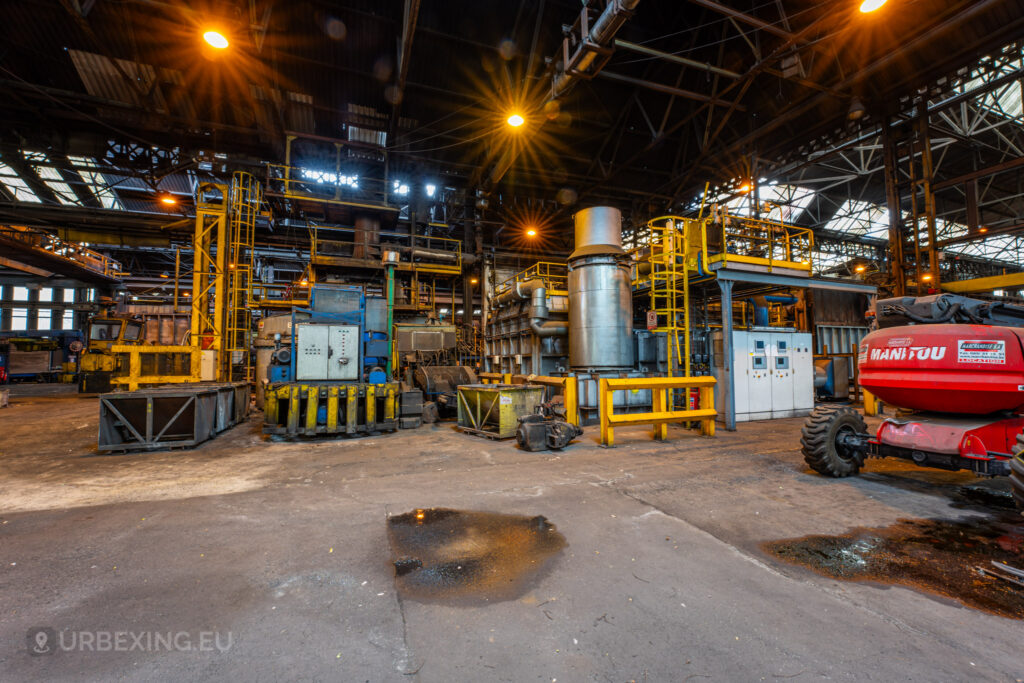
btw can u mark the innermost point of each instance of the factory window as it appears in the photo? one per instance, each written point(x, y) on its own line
point(68, 321)
point(131, 333)
point(69, 296)
point(46, 294)
point(16, 186)
point(20, 294)
point(19, 319)
point(43, 319)
point(53, 179)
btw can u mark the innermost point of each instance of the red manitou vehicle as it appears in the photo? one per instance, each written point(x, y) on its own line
point(956, 366)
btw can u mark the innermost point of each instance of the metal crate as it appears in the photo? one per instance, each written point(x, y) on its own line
point(177, 416)
point(493, 410)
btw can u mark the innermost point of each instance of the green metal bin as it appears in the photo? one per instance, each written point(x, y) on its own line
point(493, 410)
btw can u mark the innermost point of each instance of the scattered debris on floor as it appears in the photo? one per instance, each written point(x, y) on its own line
point(975, 561)
point(442, 554)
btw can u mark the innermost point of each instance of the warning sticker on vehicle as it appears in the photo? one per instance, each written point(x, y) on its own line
point(862, 356)
point(981, 351)
point(506, 400)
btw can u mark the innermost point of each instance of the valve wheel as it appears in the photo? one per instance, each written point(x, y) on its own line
point(820, 441)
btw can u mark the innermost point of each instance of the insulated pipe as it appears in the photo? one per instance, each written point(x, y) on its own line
point(539, 323)
point(521, 290)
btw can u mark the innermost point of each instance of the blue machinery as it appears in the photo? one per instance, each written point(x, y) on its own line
point(333, 377)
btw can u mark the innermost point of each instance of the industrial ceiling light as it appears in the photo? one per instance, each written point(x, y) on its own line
point(169, 200)
point(983, 229)
point(857, 110)
point(871, 5)
point(745, 188)
point(531, 233)
point(216, 39)
point(303, 282)
point(926, 277)
point(473, 281)
point(515, 120)
point(861, 268)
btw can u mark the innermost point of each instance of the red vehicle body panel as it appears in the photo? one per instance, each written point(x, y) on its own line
point(964, 369)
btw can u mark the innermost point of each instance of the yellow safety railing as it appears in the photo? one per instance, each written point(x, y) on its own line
point(70, 251)
point(327, 187)
point(555, 277)
point(134, 379)
point(729, 238)
point(570, 392)
point(662, 414)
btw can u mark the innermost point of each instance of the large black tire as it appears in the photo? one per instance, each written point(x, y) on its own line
point(818, 439)
point(1017, 472)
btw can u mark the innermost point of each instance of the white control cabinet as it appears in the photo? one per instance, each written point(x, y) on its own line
point(773, 374)
point(326, 352)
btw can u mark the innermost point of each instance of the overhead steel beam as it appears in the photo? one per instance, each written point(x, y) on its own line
point(793, 281)
point(675, 59)
point(745, 18)
point(981, 173)
point(985, 284)
point(668, 89)
point(23, 267)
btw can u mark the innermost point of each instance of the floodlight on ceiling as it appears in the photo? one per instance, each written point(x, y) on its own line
point(216, 39)
point(871, 5)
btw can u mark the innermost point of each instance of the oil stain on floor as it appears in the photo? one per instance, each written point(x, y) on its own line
point(957, 559)
point(469, 557)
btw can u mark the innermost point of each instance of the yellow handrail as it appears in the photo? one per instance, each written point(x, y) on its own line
point(662, 415)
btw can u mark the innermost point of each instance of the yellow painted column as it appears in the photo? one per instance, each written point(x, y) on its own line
point(707, 402)
point(371, 407)
point(312, 403)
point(659, 405)
point(332, 410)
point(606, 403)
point(572, 407)
point(872, 405)
point(351, 409)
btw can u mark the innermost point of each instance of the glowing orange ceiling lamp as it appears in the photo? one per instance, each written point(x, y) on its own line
point(216, 39)
point(515, 120)
point(531, 233)
point(169, 200)
point(871, 5)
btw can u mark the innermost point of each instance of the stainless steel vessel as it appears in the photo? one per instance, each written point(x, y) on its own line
point(600, 300)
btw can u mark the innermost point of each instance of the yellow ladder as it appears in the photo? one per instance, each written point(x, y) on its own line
point(246, 199)
point(670, 287)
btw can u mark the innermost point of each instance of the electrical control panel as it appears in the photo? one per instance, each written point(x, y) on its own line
point(773, 374)
point(327, 352)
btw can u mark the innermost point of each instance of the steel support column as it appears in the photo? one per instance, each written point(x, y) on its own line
point(727, 365)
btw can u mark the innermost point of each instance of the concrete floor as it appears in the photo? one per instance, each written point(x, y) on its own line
point(283, 546)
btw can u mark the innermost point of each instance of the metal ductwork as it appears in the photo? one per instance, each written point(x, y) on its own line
point(600, 299)
point(539, 323)
point(592, 50)
point(521, 290)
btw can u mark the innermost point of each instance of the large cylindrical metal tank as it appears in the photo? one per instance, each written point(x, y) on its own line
point(600, 300)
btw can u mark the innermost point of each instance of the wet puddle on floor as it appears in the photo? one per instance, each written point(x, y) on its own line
point(949, 558)
point(468, 556)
